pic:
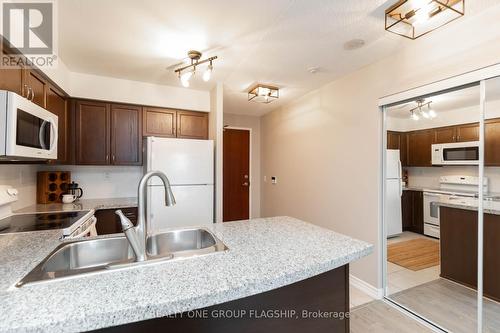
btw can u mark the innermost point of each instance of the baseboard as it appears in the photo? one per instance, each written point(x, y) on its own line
point(366, 287)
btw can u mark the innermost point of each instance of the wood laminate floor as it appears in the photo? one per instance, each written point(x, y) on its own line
point(450, 305)
point(379, 317)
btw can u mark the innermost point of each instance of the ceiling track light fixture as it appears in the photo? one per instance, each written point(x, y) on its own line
point(187, 72)
point(423, 109)
point(415, 18)
point(261, 93)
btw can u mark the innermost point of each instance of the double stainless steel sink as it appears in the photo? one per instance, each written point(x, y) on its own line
point(99, 254)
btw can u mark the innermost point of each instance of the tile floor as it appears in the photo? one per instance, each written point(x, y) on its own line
point(400, 278)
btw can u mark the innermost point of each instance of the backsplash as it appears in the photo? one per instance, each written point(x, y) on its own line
point(429, 177)
point(98, 182)
point(22, 177)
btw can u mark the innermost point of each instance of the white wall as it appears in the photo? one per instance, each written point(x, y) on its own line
point(126, 91)
point(236, 120)
point(325, 147)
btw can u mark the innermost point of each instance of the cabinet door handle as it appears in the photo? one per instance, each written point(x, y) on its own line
point(32, 94)
point(113, 157)
point(26, 91)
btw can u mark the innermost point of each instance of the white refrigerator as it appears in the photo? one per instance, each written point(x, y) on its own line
point(394, 191)
point(189, 165)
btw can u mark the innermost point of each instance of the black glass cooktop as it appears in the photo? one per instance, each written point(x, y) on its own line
point(34, 222)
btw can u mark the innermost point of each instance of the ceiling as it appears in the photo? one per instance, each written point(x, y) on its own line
point(273, 42)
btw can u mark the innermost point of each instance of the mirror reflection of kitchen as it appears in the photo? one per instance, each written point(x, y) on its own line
point(432, 182)
point(491, 216)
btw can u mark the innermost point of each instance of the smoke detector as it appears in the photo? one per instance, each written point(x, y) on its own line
point(354, 44)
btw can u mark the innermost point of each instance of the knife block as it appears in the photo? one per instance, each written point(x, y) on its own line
point(51, 185)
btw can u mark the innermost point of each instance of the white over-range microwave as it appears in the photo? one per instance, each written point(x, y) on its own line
point(27, 131)
point(457, 153)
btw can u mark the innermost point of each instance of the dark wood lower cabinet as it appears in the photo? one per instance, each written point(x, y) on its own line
point(412, 208)
point(109, 223)
point(458, 241)
point(300, 305)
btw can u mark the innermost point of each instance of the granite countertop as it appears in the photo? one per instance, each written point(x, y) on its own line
point(489, 206)
point(419, 188)
point(83, 204)
point(263, 254)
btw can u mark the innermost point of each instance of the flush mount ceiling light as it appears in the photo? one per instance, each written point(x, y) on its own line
point(263, 94)
point(415, 18)
point(422, 110)
point(187, 72)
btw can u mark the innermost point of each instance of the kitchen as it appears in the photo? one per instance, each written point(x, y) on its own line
point(215, 166)
point(153, 256)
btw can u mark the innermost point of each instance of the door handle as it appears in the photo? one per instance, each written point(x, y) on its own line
point(245, 184)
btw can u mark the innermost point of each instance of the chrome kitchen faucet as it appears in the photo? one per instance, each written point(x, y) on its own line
point(137, 235)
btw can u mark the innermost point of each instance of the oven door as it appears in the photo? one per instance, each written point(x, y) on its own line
point(431, 208)
point(31, 131)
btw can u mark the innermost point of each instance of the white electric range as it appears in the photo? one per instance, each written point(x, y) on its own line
point(73, 224)
point(451, 188)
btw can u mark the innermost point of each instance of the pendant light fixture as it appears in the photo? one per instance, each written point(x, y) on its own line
point(423, 109)
point(186, 73)
point(415, 18)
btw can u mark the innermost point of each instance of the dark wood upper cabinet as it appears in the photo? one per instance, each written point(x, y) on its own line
point(393, 140)
point(126, 135)
point(12, 79)
point(467, 132)
point(58, 105)
point(398, 140)
point(159, 122)
point(445, 134)
point(92, 133)
point(38, 86)
point(492, 142)
point(419, 148)
point(192, 125)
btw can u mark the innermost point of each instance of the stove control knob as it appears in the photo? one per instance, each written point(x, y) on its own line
point(12, 192)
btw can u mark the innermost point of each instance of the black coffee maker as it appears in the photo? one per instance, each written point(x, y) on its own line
point(75, 190)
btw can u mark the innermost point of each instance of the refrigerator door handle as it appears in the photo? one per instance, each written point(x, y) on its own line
point(400, 174)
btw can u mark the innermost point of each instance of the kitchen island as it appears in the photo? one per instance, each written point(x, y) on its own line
point(265, 258)
point(458, 244)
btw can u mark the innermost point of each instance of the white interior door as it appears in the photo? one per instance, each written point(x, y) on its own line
point(194, 207)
